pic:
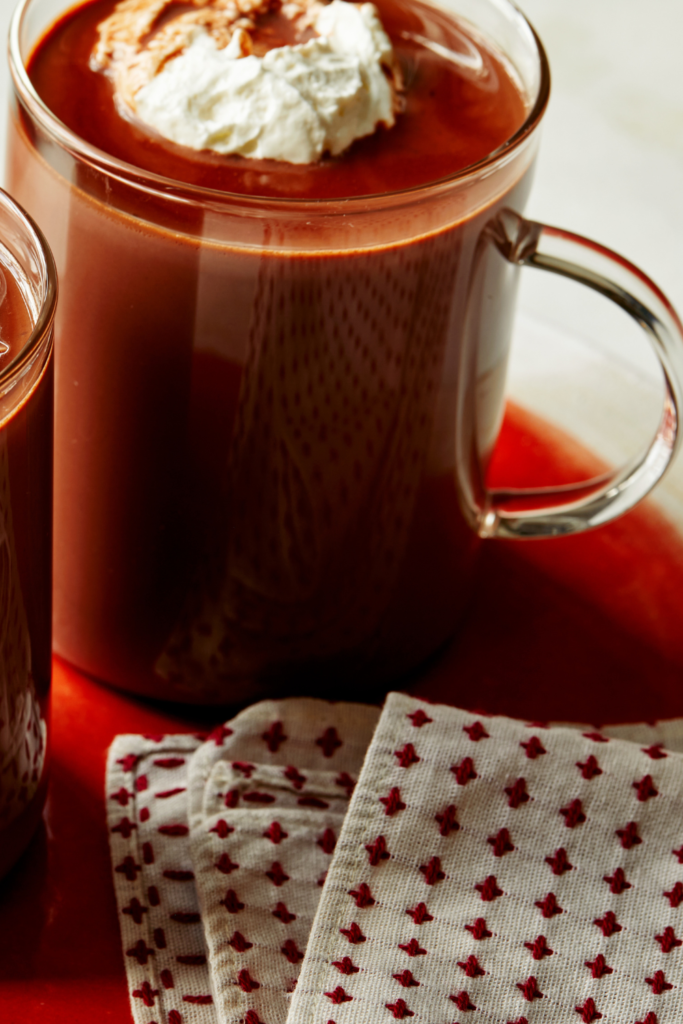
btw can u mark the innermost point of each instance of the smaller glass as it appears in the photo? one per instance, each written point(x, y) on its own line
point(28, 297)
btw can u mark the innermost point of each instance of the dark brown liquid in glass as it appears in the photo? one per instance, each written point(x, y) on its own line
point(25, 586)
point(254, 448)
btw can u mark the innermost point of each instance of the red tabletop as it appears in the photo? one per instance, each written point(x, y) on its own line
point(584, 628)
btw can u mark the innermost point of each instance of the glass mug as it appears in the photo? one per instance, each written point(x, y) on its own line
point(274, 416)
point(28, 295)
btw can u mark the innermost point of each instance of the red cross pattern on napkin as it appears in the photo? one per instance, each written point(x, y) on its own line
point(510, 874)
point(265, 811)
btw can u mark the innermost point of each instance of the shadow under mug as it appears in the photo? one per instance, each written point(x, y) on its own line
point(28, 295)
point(274, 417)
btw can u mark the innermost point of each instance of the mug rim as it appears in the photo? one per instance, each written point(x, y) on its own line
point(42, 327)
point(171, 188)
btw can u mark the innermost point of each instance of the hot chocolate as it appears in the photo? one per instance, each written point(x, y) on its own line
point(461, 101)
point(25, 546)
point(257, 398)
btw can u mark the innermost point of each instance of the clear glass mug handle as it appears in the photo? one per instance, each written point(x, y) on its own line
point(571, 508)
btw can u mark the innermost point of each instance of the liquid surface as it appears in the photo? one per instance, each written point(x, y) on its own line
point(16, 322)
point(462, 104)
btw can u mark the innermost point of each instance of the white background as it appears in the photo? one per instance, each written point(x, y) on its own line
point(611, 167)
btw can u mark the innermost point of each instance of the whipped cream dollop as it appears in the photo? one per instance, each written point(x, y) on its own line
point(211, 91)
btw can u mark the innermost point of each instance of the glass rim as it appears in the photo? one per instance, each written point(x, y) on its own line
point(174, 190)
point(45, 313)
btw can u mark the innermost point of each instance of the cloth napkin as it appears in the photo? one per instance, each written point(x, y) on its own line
point(265, 811)
point(265, 795)
point(161, 931)
point(507, 871)
point(485, 870)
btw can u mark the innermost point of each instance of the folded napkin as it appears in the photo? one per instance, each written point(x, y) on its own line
point(485, 869)
point(265, 811)
point(265, 795)
point(490, 867)
point(161, 930)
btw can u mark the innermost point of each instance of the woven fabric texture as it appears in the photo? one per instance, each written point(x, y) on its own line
point(161, 930)
point(666, 734)
point(266, 807)
point(148, 785)
point(244, 827)
point(490, 870)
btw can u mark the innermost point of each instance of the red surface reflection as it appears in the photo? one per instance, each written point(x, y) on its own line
point(586, 628)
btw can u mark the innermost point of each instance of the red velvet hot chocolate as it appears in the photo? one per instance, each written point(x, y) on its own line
point(259, 366)
point(27, 296)
point(460, 101)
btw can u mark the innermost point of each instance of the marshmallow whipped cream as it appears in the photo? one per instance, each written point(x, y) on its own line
point(208, 79)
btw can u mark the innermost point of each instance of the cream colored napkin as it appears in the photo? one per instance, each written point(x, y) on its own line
point(216, 929)
point(265, 812)
point(508, 872)
point(161, 930)
point(222, 850)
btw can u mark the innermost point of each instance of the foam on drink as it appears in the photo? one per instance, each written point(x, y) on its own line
point(198, 80)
